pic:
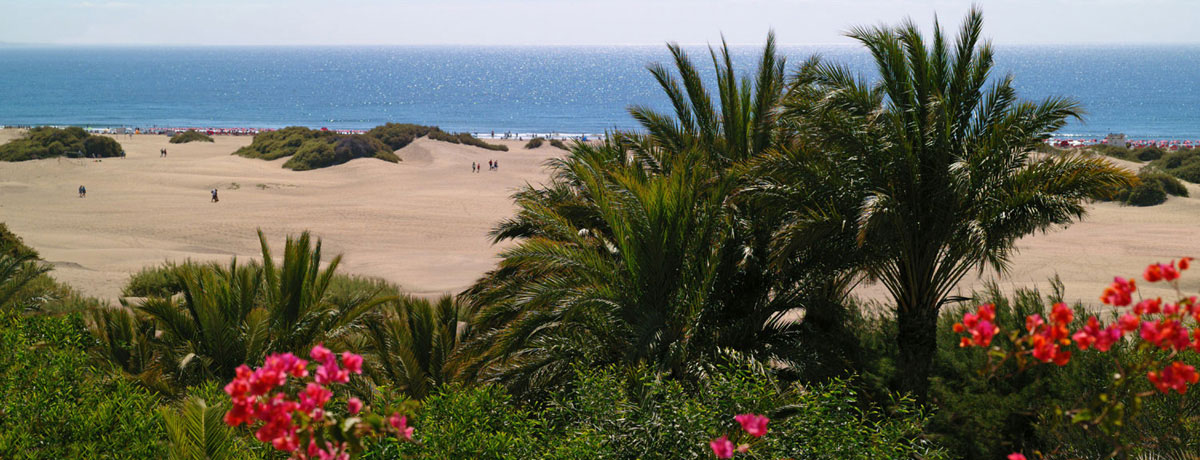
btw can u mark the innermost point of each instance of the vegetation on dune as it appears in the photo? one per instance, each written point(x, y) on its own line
point(1152, 188)
point(465, 139)
point(535, 143)
point(559, 144)
point(48, 142)
point(190, 135)
point(313, 149)
point(1184, 164)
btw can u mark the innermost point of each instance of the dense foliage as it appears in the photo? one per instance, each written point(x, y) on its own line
point(631, 414)
point(313, 149)
point(56, 404)
point(559, 144)
point(190, 135)
point(1184, 164)
point(48, 142)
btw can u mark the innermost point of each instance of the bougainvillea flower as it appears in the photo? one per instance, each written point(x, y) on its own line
point(1176, 377)
point(722, 447)
point(754, 424)
point(1015, 456)
point(400, 423)
point(353, 405)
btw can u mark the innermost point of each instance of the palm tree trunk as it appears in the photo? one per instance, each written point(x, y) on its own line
point(916, 338)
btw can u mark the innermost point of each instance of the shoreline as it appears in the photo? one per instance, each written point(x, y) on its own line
point(250, 131)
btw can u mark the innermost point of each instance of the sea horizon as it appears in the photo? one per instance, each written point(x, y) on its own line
point(1143, 91)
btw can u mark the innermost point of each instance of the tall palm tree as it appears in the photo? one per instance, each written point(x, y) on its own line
point(942, 160)
point(17, 270)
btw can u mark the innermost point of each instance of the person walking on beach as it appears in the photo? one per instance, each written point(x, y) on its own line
point(82, 192)
point(214, 196)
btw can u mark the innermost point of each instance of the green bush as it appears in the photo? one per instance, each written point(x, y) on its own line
point(534, 143)
point(57, 405)
point(558, 143)
point(465, 139)
point(157, 281)
point(1149, 153)
point(1146, 193)
point(47, 142)
point(398, 135)
point(615, 414)
point(1184, 164)
point(13, 245)
point(312, 149)
point(190, 135)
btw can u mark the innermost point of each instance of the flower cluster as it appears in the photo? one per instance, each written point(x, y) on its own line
point(753, 424)
point(287, 422)
point(981, 325)
point(1158, 324)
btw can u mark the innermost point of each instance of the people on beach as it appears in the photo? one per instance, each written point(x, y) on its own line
point(82, 192)
point(214, 196)
point(162, 153)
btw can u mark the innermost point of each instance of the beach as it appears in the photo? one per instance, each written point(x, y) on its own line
point(421, 223)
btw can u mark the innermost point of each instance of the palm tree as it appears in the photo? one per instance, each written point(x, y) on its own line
point(942, 162)
point(643, 250)
point(17, 270)
point(228, 316)
point(412, 340)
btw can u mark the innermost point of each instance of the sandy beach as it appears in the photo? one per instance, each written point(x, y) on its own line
point(421, 223)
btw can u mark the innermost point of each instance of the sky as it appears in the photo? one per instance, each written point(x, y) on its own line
point(573, 22)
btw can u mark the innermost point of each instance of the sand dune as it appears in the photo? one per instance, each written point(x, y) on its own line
point(421, 223)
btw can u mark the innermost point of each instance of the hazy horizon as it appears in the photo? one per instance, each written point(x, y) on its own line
point(572, 22)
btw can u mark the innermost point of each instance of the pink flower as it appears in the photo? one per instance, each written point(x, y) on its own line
point(722, 447)
point(320, 353)
point(754, 424)
point(354, 405)
point(1015, 456)
point(352, 362)
point(400, 423)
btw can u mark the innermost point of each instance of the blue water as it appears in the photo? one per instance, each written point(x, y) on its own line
point(1148, 92)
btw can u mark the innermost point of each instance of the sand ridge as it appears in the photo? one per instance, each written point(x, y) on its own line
point(421, 223)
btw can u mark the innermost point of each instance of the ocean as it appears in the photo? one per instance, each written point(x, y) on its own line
point(1143, 91)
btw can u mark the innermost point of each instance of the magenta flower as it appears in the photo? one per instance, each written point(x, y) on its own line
point(400, 423)
point(354, 405)
point(722, 447)
point(352, 362)
point(320, 353)
point(754, 424)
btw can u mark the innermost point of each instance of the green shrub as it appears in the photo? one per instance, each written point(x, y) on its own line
point(1149, 153)
point(616, 414)
point(465, 139)
point(558, 143)
point(398, 135)
point(47, 142)
point(13, 245)
point(534, 143)
point(312, 149)
point(190, 135)
point(1146, 193)
point(1169, 183)
point(57, 405)
point(156, 281)
point(1184, 164)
